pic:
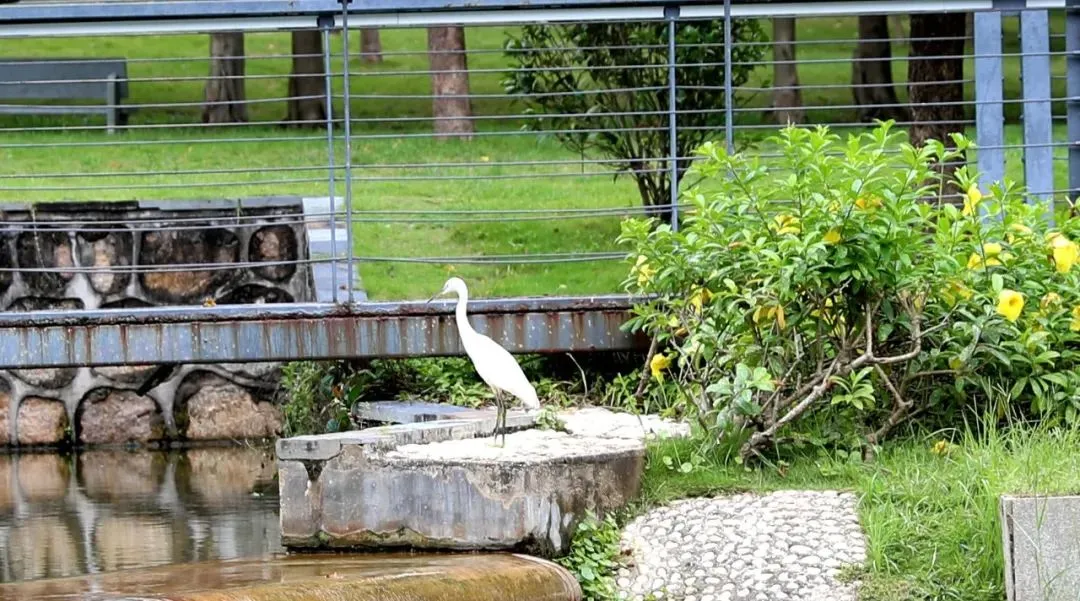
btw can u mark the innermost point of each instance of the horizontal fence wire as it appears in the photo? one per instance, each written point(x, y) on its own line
point(507, 154)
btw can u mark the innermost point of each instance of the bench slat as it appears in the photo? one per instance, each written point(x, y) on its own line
point(61, 79)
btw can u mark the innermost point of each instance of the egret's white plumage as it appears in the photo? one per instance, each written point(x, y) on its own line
point(496, 366)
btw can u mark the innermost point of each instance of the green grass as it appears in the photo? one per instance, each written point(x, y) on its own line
point(931, 520)
point(272, 160)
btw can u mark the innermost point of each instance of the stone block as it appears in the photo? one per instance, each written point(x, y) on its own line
point(222, 410)
point(214, 246)
point(128, 374)
point(49, 252)
point(41, 421)
point(102, 250)
point(119, 416)
point(274, 244)
point(458, 494)
point(6, 263)
point(1041, 541)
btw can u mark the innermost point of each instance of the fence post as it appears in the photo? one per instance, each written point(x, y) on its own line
point(989, 94)
point(346, 114)
point(729, 111)
point(671, 13)
point(1038, 135)
point(325, 24)
point(1072, 92)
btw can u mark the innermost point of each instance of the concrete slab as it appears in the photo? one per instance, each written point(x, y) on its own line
point(322, 447)
point(444, 485)
point(408, 412)
point(1041, 541)
point(603, 422)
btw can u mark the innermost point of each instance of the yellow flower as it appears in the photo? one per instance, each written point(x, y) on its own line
point(993, 254)
point(1020, 229)
point(762, 313)
point(658, 364)
point(1065, 252)
point(1075, 325)
point(972, 200)
point(940, 447)
point(645, 272)
point(868, 203)
point(786, 224)
point(699, 298)
point(832, 236)
point(1010, 304)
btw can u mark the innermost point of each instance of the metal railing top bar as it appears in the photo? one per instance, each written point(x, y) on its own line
point(184, 314)
point(54, 12)
point(30, 19)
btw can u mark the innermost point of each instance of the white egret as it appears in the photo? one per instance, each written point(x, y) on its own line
point(496, 366)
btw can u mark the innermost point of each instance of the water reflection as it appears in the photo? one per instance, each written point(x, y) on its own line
point(104, 510)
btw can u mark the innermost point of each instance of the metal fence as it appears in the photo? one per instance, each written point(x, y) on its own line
point(571, 119)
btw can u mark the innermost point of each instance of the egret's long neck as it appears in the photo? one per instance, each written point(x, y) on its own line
point(464, 329)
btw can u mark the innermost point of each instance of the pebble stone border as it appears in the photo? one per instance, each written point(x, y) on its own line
point(783, 546)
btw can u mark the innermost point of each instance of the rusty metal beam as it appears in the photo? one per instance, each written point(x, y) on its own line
point(307, 331)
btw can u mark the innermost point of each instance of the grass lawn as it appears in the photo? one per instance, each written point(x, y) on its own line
point(931, 520)
point(168, 154)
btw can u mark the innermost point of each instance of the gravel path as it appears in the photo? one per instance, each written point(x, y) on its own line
point(784, 546)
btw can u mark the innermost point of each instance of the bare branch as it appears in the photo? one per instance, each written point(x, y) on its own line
point(639, 394)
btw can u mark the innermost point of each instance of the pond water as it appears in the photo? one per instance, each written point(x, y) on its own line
point(104, 511)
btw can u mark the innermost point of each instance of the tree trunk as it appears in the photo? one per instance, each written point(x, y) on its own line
point(871, 72)
point(787, 97)
point(307, 83)
point(225, 98)
point(934, 107)
point(450, 82)
point(370, 46)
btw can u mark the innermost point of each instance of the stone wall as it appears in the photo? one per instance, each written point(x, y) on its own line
point(144, 254)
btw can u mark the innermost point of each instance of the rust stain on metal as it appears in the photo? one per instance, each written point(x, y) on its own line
point(310, 334)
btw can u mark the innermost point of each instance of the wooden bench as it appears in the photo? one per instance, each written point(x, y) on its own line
point(103, 80)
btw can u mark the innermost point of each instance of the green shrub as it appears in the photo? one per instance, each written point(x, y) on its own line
point(824, 284)
point(561, 71)
point(319, 395)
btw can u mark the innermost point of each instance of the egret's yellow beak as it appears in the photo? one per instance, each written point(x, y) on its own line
point(433, 297)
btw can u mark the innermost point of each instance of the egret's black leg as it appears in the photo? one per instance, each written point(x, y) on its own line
point(502, 422)
point(498, 412)
point(502, 419)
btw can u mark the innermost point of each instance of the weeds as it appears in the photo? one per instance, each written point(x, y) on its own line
point(594, 557)
point(320, 396)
